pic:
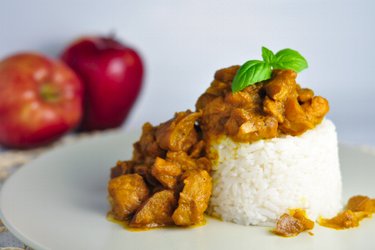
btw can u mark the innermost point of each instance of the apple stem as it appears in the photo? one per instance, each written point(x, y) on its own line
point(49, 93)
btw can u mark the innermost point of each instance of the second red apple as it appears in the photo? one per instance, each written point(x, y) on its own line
point(112, 76)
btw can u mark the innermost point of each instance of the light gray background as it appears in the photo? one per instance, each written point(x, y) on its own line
point(184, 42)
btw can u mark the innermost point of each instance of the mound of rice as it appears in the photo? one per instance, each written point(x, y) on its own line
point(255, 183)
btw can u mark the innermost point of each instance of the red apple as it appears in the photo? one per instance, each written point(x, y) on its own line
point(112, 76)
point(40, 100)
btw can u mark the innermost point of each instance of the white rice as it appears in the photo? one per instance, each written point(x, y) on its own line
point(255, 183)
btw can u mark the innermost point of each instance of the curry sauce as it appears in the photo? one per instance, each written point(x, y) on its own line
point(358, 208)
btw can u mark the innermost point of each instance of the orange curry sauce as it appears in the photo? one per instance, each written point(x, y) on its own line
point(358, 208)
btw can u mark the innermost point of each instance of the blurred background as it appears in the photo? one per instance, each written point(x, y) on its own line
point(184, 42)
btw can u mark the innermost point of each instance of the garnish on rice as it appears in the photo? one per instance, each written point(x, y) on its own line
point(254, 71)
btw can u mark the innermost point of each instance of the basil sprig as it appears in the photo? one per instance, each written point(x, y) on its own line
point(254, 71)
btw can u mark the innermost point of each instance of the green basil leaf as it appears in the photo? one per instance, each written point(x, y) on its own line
point(267, 55)
point(289, 59)
point(251, 72)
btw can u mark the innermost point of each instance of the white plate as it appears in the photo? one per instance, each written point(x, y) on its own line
point(59, 202)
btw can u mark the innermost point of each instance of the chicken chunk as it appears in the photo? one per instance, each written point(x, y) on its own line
point(194, 198)
point(145, 172)
point(126, 193)
point(273, 108)
point(361, 203)
point(166, 172)
point(215, 113)
point(305, 95)
point(147, 149)
point(244, 125)
point(296, 121)
point(156, 211)
point(292, 224)
point(282, 85)
point(226, 75)
point(316, 108)
point(237, 118)
point(198, 149)
point(179, 133)
point(204, 163)
point(185, 162)
point(182, 160)
point(121, 168)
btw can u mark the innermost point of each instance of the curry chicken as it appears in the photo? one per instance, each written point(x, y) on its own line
point(261, 111)
point(168, 182)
